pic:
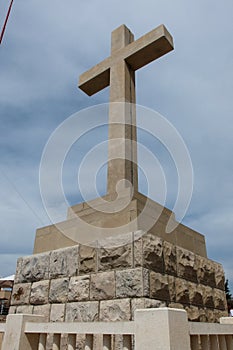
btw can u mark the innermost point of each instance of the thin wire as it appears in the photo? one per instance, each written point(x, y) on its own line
point(6, 20)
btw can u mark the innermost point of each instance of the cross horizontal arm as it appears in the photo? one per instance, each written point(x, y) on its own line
point(149, 47)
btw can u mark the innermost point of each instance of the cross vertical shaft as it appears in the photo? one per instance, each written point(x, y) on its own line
point(122, 149)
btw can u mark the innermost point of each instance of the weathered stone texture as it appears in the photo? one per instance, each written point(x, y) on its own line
point(33, 268)
point(82, 311)
point(87, 259)
point(42, 310)
point(176, 306)
point(24, 309)
point(170, 261)
point(195, 294)
point(186, 265)
point(145, 303)
point(115, 258)
point(220, 299)
point(219, 276)
point(103, 286)
point(194, 313)
point(109, 283)
point(79, 288)
point(182, 291)
point(64, 262)
point(159, 288)
point(172, 288)
point(59, 290)
point(80, 342)
point(210, 315)
point(132, 283)
point(138, 255)
point(115, 310)
point(39, 293)
point(153, 253)
point(21, 293)
point(205, 271)
point(57, 313)
point(208, 297)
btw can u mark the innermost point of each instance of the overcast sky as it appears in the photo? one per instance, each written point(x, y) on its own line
point(48, 44)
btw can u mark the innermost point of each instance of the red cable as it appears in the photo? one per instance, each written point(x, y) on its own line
point(5, 23)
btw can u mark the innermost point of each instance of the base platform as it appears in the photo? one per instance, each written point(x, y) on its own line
point(108, 216)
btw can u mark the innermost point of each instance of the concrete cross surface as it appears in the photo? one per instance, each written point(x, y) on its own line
point(118, 71)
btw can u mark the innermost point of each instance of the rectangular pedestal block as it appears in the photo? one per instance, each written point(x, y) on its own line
point(110, 281)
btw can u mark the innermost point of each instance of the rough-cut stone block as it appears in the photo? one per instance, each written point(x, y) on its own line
point(33, 268)
point(42, 310)
point(115, 310)
point(186, 265)
point(202, 317)
point(103, 286)
point(152, 303)
point(145, 303)
point(57, 313)
point(220, 299)
point(138, 255)
point(170, 261)
point(153, 253)
point(210, 315)
point(218, 314)
point(87, 259)
point(82, 311)
point(196, 294)
point(39, 293)
point(115, 258)
point(24, 309)
point(159, 288)
point(176, 306)
point(182, 291)
point(172, 288)
point(132, 283)
point(59, 290)
point(205, 271)
point(64, 262)
point(219, 276)
point(79, 288)
point(194, 313)
point(208, 296)
point(18, 272)
point(21, 293)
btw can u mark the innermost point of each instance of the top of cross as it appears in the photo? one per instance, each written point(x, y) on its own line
point(118, 71)
point(137, 54)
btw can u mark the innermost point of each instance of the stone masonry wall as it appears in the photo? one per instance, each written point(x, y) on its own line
point(83, 283)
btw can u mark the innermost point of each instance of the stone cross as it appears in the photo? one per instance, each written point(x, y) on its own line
point(118, 71)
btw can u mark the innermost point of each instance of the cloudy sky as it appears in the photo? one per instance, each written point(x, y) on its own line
point(48, 44)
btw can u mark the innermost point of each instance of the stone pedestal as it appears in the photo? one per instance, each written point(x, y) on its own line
point(110, 281)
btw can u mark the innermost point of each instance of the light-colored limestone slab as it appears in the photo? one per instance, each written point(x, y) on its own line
point(58, 292)
point(39, 292)
point(115, 310)
point(82, 311)
point(79, 288)
point(103, 286)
